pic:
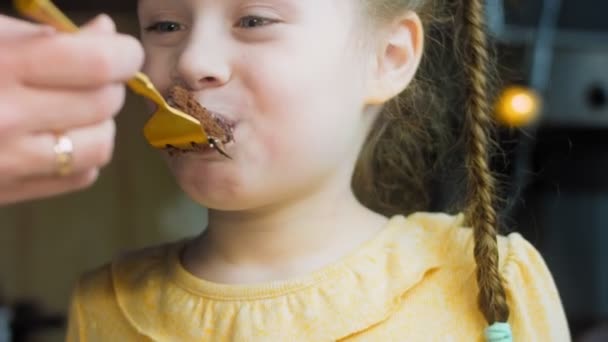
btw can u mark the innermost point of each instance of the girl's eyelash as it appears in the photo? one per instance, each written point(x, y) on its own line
point(248, 22)
point(252, 21)
point(165, 27)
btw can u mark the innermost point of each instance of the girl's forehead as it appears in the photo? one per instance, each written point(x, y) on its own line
point(323, 14)
point(289, 4)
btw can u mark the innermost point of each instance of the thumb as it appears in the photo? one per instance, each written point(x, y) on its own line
point(100, 24)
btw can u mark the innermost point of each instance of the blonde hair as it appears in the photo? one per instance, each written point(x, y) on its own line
point(397, 163)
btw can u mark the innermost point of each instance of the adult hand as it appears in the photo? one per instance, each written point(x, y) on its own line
point(59, 94)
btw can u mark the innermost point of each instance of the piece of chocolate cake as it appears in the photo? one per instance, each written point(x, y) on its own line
point(218, 131)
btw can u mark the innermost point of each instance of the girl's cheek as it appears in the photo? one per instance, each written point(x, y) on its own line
point(268, 147)
point(158, 68)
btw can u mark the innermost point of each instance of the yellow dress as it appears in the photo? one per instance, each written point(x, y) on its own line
point(413, 282)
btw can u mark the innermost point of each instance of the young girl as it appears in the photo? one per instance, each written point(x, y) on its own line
point(312, 233)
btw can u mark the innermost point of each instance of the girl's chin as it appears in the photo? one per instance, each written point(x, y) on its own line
point(212, 193)
point(220, 198)
point(221, 205)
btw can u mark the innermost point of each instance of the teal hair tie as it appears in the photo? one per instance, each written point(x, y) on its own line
point(499, 332)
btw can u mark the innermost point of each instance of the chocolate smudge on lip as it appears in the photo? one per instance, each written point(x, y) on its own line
point(218, 130)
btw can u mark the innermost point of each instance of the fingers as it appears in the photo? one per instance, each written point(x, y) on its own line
point(84, 59)
point(33, 157)
point(46, 186)
point(14, 30)
point(28, 109)
point(93, 148)
point(101, 23)
point(71, 78)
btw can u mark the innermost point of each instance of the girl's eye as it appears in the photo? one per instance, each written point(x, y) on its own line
point(165, 27)
point(253, 22)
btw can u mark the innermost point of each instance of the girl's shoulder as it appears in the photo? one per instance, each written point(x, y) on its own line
point(137, 268)
point(453, 239)
point(443, 245)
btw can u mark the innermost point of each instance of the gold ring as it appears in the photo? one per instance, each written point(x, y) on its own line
point(64, 154)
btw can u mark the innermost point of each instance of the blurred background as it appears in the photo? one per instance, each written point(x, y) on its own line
point(553, 57)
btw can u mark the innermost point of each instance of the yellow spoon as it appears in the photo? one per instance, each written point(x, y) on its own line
point(168, 126)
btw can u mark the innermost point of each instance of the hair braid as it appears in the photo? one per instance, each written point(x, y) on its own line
point(481, 212)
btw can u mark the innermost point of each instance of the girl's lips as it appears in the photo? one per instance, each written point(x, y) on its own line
point(214, 145)
point(224, 118)
point(218, 126)
point(204, 151)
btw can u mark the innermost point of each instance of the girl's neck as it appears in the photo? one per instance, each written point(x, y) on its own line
point(286, 240)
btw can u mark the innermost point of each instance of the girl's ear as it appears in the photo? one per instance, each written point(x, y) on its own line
point(397, 58)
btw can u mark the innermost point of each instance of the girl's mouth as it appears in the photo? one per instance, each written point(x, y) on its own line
point(200, 149)
point(218, 128)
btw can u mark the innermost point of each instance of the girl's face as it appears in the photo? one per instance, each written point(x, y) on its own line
point(290, 74)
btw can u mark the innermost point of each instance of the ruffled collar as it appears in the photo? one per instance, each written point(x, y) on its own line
point(163, 301)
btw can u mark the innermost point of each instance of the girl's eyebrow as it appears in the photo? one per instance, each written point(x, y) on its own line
point(289, 3)
point(284, 4)
point(156, 2)
point(288, 6)
point(145, 3)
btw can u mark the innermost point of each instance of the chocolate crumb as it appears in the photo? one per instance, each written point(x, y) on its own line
point(216, 128)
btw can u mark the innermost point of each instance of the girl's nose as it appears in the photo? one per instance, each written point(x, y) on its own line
point(204, 63)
